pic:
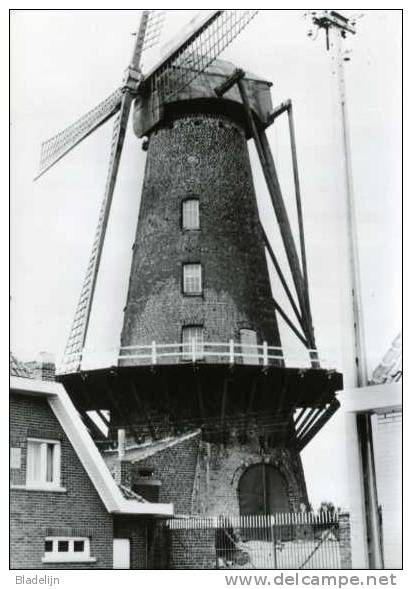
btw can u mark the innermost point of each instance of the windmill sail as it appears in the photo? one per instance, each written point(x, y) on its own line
point(196, 52)
point(180, 68)
point(75, 344)
point(57, 146)
point(60, 144)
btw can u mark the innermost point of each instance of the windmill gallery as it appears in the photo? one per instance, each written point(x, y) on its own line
point(203, 411)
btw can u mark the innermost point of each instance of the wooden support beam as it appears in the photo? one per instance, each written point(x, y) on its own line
point(306, 420)
point(326, 415)
point(125, 417)
point(291, 325)
point(303, 430)
point(281, 277)
point(286, 106)
point(312, 414)
point(298, 199)
point(230, 81)
point(142, 408)
point(269, 171)
point(93, 428)
point(286, 231)
point(103, 417)
point(279, 110)
point(300, 415)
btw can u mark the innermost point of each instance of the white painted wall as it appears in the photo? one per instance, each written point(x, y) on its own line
point(387, 434)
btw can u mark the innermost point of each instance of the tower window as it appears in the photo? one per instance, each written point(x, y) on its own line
point(190, 214)
point(250, 349)
point(192, 340)
point(192, 279)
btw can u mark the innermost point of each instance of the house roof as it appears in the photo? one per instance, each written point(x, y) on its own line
point(390, 368)
point(115, 499)
point(129, 494)
point(139, 452)
point(17, 368)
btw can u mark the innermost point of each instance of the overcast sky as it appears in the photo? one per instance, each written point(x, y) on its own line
point(64, 62)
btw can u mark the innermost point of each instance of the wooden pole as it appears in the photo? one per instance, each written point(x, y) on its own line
point(298, 203)
point(269, 170)
point(354, 288)
point(282, 277)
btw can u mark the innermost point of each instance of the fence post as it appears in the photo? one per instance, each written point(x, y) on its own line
point(154, 357)
point(273, 533)
point(265, 354)
point(344, 541)
point(231, 352)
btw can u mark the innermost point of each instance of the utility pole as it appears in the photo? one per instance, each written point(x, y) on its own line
point(366, 546)
point(336, 28)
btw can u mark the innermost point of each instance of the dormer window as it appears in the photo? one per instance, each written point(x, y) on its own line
point(190, 214)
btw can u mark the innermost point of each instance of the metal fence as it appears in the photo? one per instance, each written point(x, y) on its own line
point(280, 541)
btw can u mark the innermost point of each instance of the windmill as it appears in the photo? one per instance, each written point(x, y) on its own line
point(200, 345)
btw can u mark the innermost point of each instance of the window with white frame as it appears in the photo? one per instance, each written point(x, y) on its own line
point(190, 213)
point(192, 340)
point(43, 463)
point(67, 549)
point(192, 279)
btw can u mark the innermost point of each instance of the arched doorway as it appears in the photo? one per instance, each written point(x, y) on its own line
point(262, 490)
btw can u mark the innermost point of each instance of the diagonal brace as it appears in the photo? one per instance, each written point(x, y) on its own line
point(269, 170)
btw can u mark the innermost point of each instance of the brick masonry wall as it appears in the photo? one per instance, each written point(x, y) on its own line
point(192, 549)
point(34, 513)
point(174, 467)
point(137, 533)
point(205, 157)
point(345, 541)
point(220, 469)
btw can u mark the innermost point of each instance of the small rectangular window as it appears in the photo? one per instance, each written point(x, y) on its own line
point(78, 546)
point(192, 340)
point(58, 549)
point(192, 279)
point(43, 463)
point(190, 214)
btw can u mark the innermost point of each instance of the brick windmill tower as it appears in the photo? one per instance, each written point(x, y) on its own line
point(200, 348)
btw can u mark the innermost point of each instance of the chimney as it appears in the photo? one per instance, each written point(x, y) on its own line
point(121, 443)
